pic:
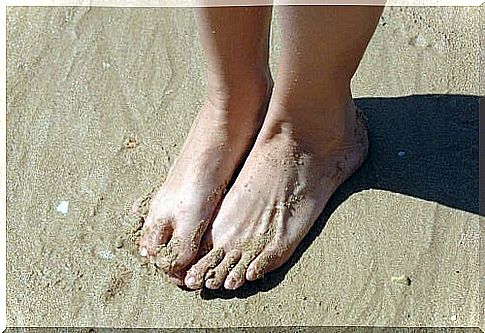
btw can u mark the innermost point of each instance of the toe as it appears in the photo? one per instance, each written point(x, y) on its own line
point(236, 277)
point(154, 234)
point(183, 248)
point(215, 277)
point(270, 259)
point(195, 275)
point(176, 255)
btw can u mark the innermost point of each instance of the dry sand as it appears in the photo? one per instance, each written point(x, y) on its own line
point(99, 101)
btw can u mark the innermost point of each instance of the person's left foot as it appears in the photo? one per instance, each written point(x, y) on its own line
point(283, 187)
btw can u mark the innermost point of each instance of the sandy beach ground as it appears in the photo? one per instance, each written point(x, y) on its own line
point(99, 101)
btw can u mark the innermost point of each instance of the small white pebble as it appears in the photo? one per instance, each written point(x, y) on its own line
point(143, 252)
point(63, 207)
point(418, 40)
point(401, 153)
point(105, 254)
point(421, 41)
point(441, 46)
point(402, 279)
point(453, 317)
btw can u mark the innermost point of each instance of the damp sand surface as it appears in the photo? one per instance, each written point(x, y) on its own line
point(99, 101)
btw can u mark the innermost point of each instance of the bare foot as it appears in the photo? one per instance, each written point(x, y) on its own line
point(285, 183)
point(184, 206)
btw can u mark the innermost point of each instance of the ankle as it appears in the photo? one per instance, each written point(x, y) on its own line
point(321, 129)
point(233, 95)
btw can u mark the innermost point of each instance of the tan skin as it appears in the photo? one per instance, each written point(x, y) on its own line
point(307, 141)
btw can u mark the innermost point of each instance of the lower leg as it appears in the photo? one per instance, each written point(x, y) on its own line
point(235, 42)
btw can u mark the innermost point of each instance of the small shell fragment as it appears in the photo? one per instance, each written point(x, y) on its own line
point(131, 142)
point(105, 254)
point(403, 279)
point(119, 242)
point(63, 207)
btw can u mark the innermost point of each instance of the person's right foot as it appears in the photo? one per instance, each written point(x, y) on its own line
point(184, 206)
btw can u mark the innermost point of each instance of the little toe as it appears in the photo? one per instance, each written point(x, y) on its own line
point(154, 235)
point(270, 259)
point(215, 277)
point(184, 246)
point(195, 275)
point(236, 277)
point(177, 255)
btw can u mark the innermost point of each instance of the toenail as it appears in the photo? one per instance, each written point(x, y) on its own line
point(250, 272)
point(143, 252)
point(191, 280)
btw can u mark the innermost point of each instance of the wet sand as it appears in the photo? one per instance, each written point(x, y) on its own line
point(99, 101)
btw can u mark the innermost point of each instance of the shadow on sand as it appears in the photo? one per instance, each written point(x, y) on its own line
point(424, 146)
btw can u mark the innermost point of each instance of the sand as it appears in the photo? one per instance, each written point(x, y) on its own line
point(100, 100)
